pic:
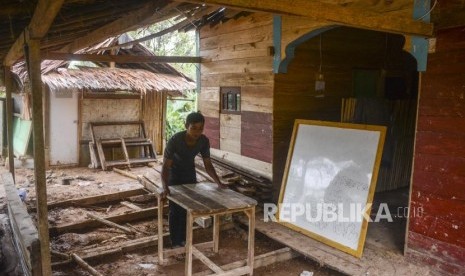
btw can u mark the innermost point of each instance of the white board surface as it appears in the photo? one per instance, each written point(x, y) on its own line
point(330, 172)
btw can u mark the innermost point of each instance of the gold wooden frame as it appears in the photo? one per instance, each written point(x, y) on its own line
point(371, 190)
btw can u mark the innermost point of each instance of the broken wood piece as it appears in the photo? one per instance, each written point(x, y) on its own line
point(60, 255)
point(126, 173)
point(137, 230)
point(108, 209)
point(130, 205)
point(85, 265)
point(115, 238)
point(111, 224)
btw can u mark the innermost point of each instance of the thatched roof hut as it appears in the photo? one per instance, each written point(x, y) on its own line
point(138, 78)
point(116, 79)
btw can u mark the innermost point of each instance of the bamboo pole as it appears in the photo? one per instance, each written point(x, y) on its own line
point(85, 265)
point(9, 119)
point(39, 154)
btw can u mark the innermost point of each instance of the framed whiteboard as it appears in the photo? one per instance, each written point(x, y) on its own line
point(329, 181)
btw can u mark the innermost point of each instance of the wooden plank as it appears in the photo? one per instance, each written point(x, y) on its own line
point(89, 224)
point(198, 196)
point(106, 198)
point(227, 197)
point(250, 65)
point(199, 255)
point(239, 24)
point(258, 34)
point(130, 205)
point(333, 14)
point(111, 224)
point(120, 58)
point(44, 14)
point(237, 79)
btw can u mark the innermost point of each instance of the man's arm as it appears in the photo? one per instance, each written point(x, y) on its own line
point(207, 162)
point(165, 174)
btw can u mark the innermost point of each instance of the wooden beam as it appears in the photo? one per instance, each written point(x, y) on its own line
point(89, 224)
point(145, 16)
point(9, 119)
point(120, 58)
point(111, 224)
point(97, 199)
point(44, 14)
point(333, 14)
point(39, 153)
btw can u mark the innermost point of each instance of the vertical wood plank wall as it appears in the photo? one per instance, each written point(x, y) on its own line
point(436, 234)
point(343, 49)
point(237, 53)
point(153, 117)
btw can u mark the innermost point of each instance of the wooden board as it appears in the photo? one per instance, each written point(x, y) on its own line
point(22, 130)
point(207, 198)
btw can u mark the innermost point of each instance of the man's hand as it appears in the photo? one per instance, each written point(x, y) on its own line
point(222, 186)
point(166, 192)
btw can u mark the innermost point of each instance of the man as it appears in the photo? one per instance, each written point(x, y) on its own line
point(179, 168)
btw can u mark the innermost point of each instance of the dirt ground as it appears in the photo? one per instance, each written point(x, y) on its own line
point(84, 182)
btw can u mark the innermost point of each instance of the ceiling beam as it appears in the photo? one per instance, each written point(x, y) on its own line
point(147, 15)
point(44, 14)
point(332, 13)
point(120, 58)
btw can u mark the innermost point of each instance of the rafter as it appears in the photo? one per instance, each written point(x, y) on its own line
point(44, 14)
point(332, 13)
point(120, 58)
point(145, 16)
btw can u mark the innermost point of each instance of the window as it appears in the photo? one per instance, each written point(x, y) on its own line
point(230, 99)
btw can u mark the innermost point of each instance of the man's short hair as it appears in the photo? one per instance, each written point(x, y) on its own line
point(194, 117)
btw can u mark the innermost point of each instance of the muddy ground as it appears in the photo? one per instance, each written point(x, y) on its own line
point(84, 182)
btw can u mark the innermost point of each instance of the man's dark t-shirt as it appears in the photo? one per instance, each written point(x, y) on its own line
point(183, 168)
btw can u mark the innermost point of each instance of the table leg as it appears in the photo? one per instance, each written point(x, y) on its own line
point(189, 224)
point(160, 230)
point(216, 233)
point(251, 247)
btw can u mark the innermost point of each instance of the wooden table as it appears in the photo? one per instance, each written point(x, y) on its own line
point(206, 199)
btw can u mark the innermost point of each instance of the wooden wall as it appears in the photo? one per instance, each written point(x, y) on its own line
point(237, 53)
point(342, 50)
point(436, 234)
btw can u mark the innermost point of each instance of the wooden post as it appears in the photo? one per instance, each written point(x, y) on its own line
point(160, 229)
point(251, 248)
point(189, 238)
point(216, 233)
point(9, 119)
point(39, 154)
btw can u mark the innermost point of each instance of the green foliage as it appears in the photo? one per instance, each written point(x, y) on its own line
point(176, 113)
point(173, 44)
